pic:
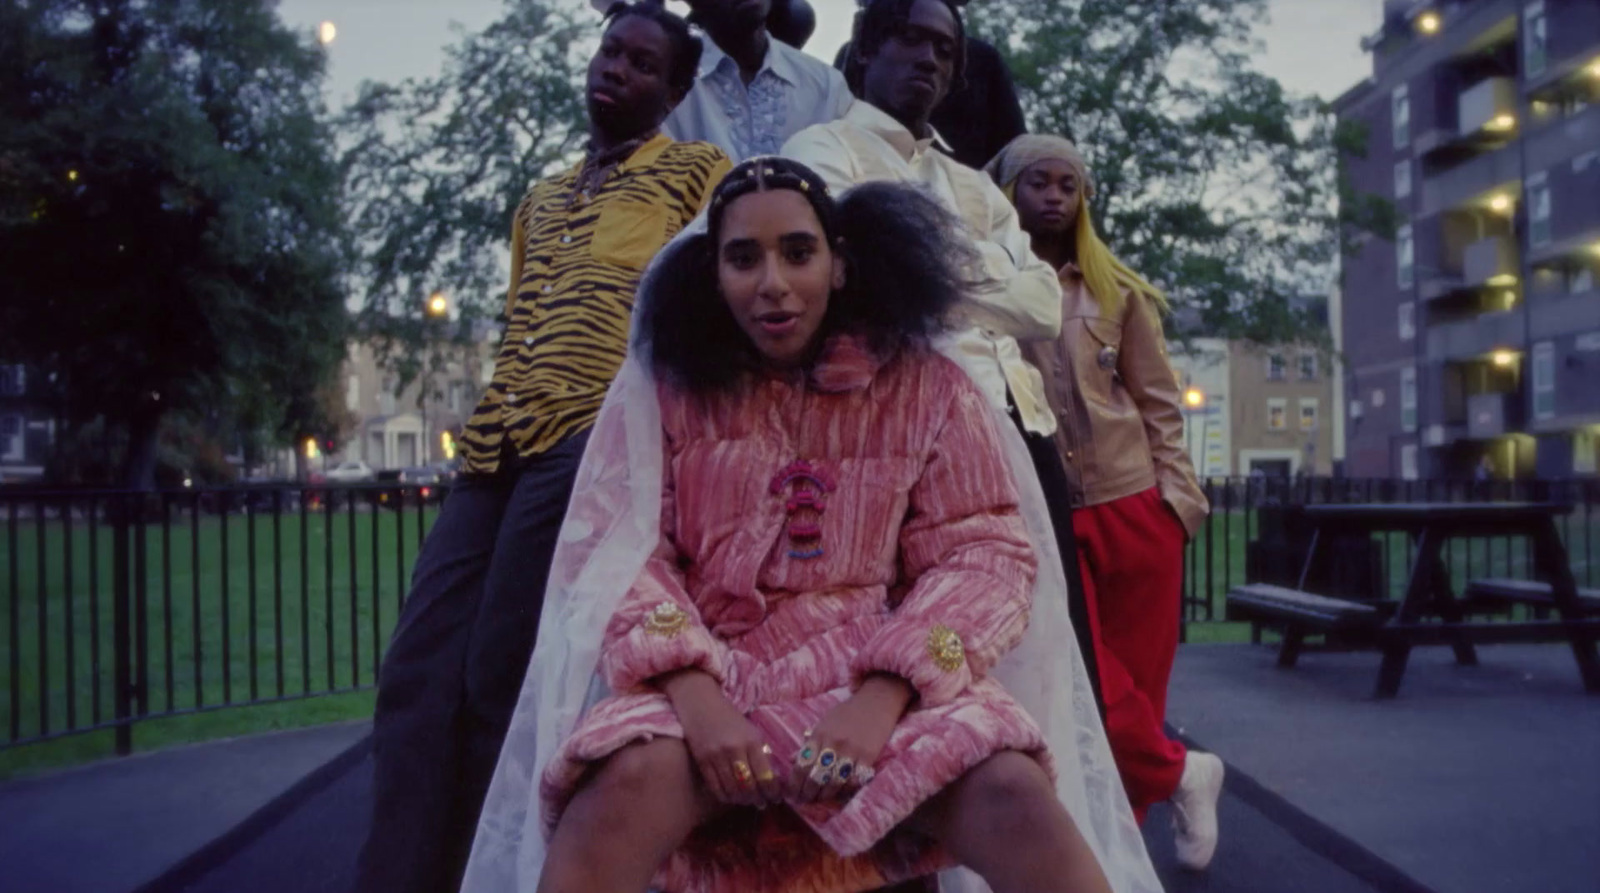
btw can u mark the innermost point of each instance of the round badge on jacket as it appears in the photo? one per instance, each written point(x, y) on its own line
point(1108, 357)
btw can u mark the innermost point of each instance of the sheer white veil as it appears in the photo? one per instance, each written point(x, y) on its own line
point(612, 525)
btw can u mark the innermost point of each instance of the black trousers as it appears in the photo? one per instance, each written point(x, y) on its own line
point(1058, 498)
point(455, 667)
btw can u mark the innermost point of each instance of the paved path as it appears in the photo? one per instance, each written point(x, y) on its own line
point(114, 825)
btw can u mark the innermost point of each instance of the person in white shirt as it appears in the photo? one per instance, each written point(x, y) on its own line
point(911, 52)
point(754, 92)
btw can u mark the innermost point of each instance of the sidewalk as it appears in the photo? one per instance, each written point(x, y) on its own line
point(113, 826)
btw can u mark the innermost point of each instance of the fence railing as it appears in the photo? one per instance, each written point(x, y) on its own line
point(121, 607)
point(117, 607)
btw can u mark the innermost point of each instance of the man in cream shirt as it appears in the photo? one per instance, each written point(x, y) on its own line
point(910, 58)
point(909, 53)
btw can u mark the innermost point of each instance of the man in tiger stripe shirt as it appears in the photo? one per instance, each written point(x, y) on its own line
point(580, 242)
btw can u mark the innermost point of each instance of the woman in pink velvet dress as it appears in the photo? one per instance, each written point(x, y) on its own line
point(798, 678)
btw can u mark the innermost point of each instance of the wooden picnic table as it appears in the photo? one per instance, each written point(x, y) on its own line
point(1429, 592)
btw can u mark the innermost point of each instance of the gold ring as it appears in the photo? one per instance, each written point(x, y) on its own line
point(768, 775)
point(741, 773)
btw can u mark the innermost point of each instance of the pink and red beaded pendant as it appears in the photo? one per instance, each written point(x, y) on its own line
point(806, 486)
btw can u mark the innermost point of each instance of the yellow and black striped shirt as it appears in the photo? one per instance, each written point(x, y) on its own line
point(574, 267)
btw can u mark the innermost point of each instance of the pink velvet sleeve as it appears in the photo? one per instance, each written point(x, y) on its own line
point(657, 629)
point(965, 550)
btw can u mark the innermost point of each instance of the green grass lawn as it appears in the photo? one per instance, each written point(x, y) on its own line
point(231, 616)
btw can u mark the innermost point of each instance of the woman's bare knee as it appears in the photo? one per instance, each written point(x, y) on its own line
point(646, 771)
point(1004, 782)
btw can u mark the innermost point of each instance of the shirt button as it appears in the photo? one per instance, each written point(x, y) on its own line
point(548, 289)
point(511, 398)
point(528, 340)
point(566, 240)
point(1069, 455)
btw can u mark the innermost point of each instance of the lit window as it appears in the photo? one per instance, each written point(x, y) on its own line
point(1308, 414)
point(1277, 414)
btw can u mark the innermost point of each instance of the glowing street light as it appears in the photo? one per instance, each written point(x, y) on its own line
point(438, 304)
point(1194, 398)
point(1428, 22)
point(1503, 358)
point(311, 448)
point(72, 176)
point(326, 32)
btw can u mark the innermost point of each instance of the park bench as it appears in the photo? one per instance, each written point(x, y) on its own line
point(1297, 614)
point(1526, 592)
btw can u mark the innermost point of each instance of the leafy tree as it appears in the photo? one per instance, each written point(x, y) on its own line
point(1214, 182)
point(436, 167)
point(170, 231)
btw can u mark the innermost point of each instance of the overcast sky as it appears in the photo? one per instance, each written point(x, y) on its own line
point(1312, 46)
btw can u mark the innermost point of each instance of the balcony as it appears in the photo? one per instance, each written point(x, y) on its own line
point(1491, 261)
point(1489, 105)
point(1551, 316)
point(1561, 140)
point(1493, 415)
point(1479, 336)
point(1466, 183)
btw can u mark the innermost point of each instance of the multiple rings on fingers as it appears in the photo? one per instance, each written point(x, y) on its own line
point(767, 774)
point(742, 774)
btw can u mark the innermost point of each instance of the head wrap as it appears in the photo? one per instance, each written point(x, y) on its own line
point(1031, 148)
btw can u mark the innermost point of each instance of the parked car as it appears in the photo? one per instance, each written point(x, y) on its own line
point(350, 471)
point(421, 486)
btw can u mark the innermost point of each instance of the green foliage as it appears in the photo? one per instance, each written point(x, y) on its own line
point(1213, 181)
point(170, 232)
point(437, 166)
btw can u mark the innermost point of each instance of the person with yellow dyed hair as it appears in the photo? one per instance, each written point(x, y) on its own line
point(1133, 489)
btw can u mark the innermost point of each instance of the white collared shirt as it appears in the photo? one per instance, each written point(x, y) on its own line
point(1025, 302)
point(791, 92)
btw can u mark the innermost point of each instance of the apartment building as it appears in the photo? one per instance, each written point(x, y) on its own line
point(1254, 409)
point(1475, 332)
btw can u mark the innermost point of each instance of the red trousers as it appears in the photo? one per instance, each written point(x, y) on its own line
point(1131, 553)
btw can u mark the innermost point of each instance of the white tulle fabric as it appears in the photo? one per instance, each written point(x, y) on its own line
point(612, 525)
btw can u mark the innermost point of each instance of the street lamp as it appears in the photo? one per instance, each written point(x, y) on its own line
point(437, 307)
point(1194, 400)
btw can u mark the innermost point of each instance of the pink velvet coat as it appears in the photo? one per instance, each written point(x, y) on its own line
point(897, 546)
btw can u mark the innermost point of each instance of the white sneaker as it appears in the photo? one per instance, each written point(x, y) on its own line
point(1194, 810)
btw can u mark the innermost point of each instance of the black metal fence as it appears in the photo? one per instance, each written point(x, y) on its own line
point(123, 607)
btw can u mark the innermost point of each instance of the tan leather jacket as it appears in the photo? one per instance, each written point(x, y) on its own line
point(1116, 398)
